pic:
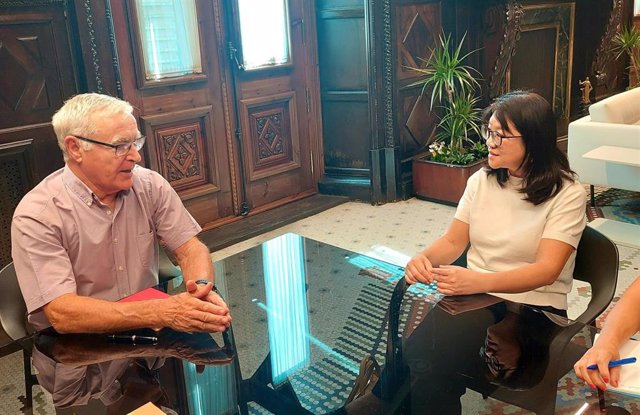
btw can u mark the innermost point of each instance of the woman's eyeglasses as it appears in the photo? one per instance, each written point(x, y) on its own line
point(120, 149)
point(495, 137)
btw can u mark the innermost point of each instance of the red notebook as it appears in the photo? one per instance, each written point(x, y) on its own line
point(148, 294)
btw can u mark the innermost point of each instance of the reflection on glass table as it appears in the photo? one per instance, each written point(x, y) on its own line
point(305, 313)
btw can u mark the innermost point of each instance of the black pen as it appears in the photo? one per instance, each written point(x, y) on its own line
point(134, 339)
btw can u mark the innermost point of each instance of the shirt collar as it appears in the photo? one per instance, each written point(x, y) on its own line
point(77, 186)
point(81, 190)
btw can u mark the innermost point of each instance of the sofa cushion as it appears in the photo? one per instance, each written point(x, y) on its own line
point(622, 108)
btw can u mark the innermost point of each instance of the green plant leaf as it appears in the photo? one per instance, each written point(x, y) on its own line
point(453, 86)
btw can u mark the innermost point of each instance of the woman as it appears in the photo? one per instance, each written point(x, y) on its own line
point(522, 216)
point(622, 322)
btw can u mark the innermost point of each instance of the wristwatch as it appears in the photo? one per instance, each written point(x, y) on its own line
point(205, 282)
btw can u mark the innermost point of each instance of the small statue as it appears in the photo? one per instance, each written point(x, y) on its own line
point(586, 90)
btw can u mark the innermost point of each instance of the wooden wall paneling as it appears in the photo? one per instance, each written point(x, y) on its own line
point(98, 63)
point(37, 69)
point(37, 76)
point(417, 28)
point(15, 180)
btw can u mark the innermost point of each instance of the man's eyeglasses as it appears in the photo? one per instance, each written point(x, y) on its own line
point(120, 149)
point(495, 137)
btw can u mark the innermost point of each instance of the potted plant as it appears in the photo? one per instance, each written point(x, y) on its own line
point(628, 42)
point(455, 152)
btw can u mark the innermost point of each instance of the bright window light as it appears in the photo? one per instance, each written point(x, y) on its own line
point(169, 38)
point(264, 30)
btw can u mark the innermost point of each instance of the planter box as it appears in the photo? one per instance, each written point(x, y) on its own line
point(441, 182)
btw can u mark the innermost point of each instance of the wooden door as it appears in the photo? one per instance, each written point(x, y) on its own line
point(36, 76)
point(184, 115)
point(231, 142)
point(276, 110)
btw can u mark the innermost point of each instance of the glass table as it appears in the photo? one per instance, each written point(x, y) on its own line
point(305, 313)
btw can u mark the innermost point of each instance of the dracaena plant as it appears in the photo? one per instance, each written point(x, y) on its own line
point(453, 90)
point(627, 42)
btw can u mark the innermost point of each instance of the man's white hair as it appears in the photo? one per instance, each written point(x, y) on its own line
point(77, 116)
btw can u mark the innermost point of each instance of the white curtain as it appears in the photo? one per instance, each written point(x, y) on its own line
point(264, 28)
point(169, 37)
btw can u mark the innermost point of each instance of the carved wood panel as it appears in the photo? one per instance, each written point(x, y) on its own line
point(180, 149)
point(271, 126)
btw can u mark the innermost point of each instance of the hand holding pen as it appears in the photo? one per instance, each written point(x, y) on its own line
point(615, 363)
point(600, 366)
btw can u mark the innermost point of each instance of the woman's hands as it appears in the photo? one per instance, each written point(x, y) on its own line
point(455, 280)
point(419, 269)
point(451, 279)
point(601, 354)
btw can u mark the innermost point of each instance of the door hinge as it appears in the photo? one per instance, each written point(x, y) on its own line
point(307, 98)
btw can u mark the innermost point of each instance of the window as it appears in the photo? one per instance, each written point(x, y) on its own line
point(168, 31)
point(264, 33)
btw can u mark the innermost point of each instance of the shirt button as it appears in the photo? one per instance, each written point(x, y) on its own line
point(88, 203)
point(115, 241)
point(120, 268)
point(108, 212)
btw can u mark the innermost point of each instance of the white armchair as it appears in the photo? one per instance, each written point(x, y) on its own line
point(604, 147)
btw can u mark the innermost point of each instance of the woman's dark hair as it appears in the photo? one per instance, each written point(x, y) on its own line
point(544, 165)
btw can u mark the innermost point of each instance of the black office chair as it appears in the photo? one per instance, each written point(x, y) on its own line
point(596, 263)
point(13, 322)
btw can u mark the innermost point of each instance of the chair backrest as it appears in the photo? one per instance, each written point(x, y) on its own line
point(597, 264)
point(13, 310)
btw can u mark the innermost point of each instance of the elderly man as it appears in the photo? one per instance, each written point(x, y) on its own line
point(88, 234)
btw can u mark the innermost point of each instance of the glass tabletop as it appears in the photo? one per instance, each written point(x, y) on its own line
point(305, 314)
